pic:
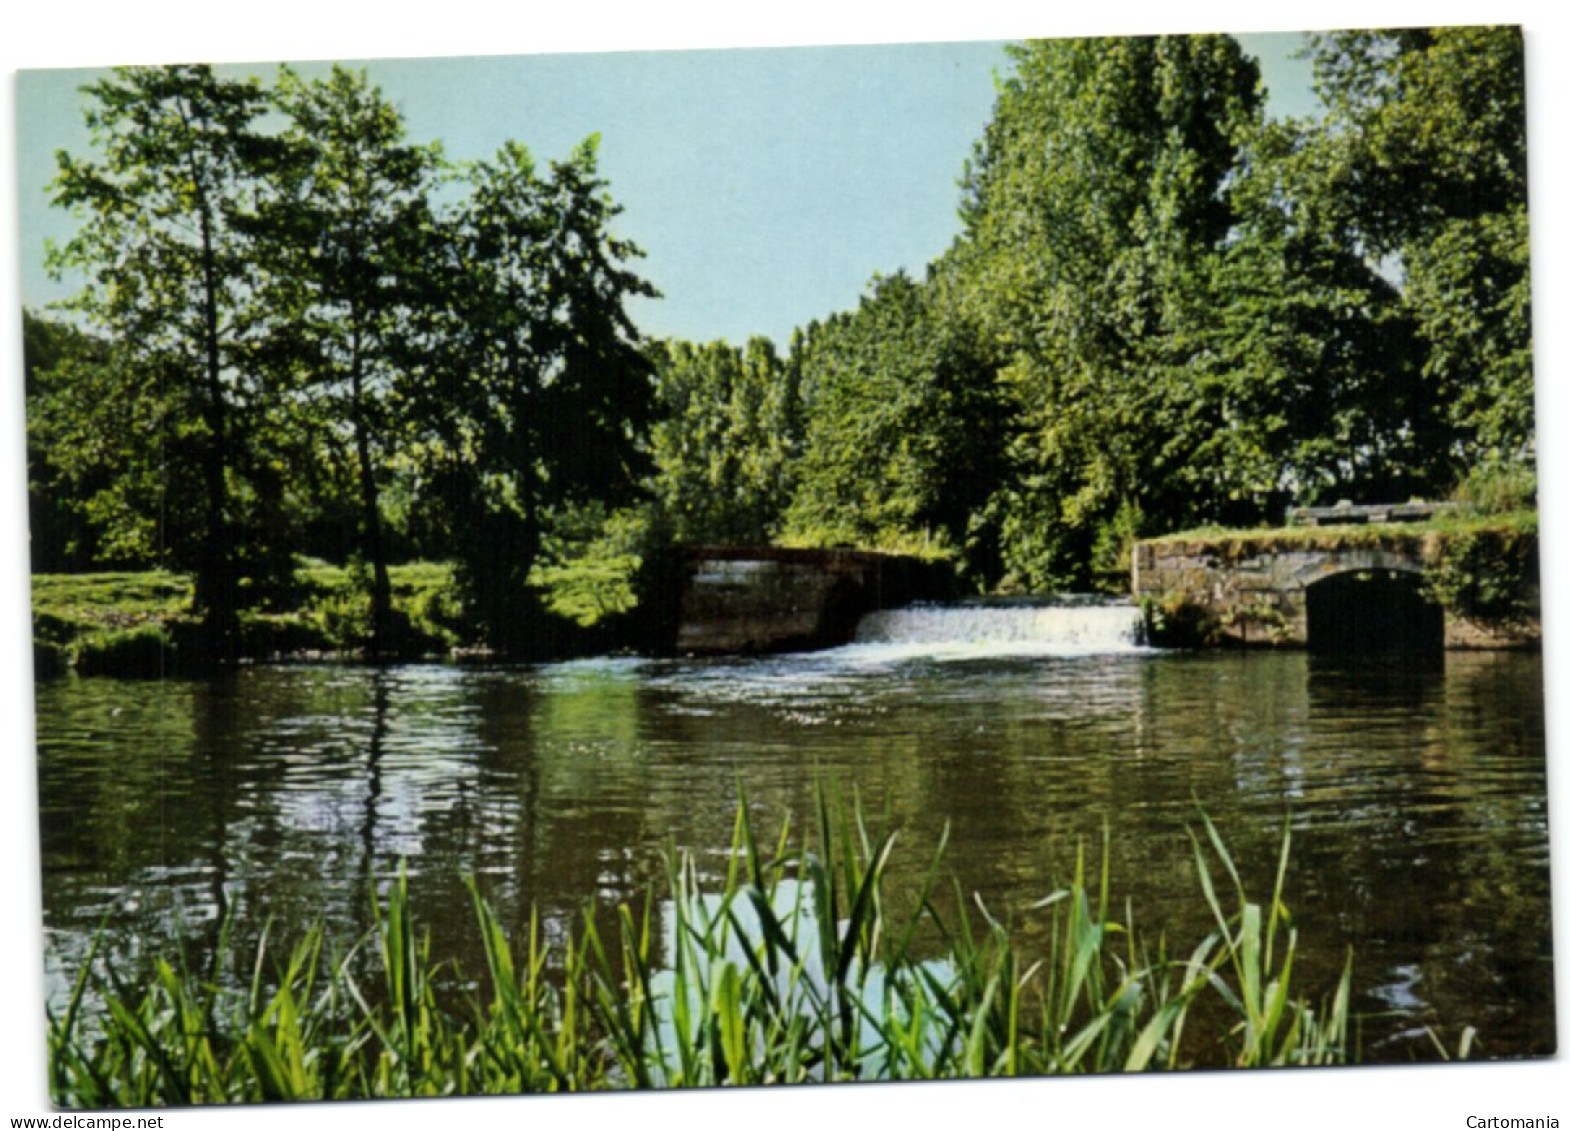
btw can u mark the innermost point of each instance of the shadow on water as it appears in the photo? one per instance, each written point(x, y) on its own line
point(1394, 681)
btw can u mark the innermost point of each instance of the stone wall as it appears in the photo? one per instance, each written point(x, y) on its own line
point(768, 599)
point(1234, 591)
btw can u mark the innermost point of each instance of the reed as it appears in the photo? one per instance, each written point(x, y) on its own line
point(790, 970)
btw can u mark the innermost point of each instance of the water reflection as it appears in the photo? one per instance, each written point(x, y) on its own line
point(1416, 798)
point(708, 938)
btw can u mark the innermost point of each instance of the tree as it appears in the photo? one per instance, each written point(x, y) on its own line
point(907, 432)
point(539, 390)
point(169, 256)
point(1426, 136)
point(59, 482)
point(349, 237)
point(1093, 208)
point(1303, 380)
point(726, 440)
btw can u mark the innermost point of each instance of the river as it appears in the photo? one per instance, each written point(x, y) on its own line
point(1416, 796)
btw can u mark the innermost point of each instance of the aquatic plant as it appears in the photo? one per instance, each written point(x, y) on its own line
point(791, 970)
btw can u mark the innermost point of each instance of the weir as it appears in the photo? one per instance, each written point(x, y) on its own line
point(1066, 626)
point(737, 599)
point(740, 600)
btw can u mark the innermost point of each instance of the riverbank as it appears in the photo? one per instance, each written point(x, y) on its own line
point(142, 623)
point(1200, 588)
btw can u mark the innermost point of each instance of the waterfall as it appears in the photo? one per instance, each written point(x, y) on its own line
point(1069, 627)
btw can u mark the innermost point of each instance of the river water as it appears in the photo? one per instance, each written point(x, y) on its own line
point(1416, 796)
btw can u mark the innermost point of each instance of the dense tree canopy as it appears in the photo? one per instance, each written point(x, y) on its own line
point(294, 333)
point(728, 440)
point(908, 435)
point(1177, 312)
point(1093, 209)
point(1426, 136)
point(305, 334)
point(59, 358)
point(537, 387)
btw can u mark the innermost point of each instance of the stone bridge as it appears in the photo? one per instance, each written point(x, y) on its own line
point(1323, 590)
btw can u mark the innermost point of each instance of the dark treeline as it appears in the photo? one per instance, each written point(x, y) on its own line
point(1162, 311)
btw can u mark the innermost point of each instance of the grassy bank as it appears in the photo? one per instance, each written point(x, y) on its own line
point(790, 971)
point(1234, 544)
point(142, 623)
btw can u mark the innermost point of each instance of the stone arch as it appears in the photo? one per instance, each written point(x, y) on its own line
point(1375, 608)
point(1313, 566)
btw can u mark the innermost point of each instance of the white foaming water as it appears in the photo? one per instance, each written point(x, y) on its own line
point(945, 631)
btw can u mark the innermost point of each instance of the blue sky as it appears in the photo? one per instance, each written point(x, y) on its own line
point(766, 186)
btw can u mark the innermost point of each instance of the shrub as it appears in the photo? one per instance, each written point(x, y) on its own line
point(145, 651)
point(1486, 574)
point(1498, 487)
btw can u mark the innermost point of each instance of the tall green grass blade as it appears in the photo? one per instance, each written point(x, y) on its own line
point(861, 931)
point(1278, 909)
point(764, 982)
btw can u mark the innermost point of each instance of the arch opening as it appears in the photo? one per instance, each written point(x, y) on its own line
point(1373, 611)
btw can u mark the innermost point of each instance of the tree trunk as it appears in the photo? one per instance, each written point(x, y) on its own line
point(371, 510)
point(215, 581)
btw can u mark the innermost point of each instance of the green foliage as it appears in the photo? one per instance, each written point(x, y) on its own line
point(346, 251)
point(145, 650)
point(152, 439)
point(1469, 290)
point(114, 623)
point(536, 389)
point(1233, 544)
point(792, 971)
point(1305, 383)
point(1162, 311)
point(1113, 552)
point(1095, 205)
point(1198, 317)
point(590, 562)
point(906, 436)
point(426, 613)
point(111, 598)
point(1498, 488)
point(58, 499)
point(728, 439)
point(1487, 574)
point(1177, 620)
point(299, 352)
point(1425, 139)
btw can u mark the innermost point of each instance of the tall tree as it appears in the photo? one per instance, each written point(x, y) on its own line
point(726, 441)
point(1093, 202)
point(541, 390)
point(1300, 368)
point(1425, 136)
point(169, 257)
point(907, 433)
point(350, 237)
